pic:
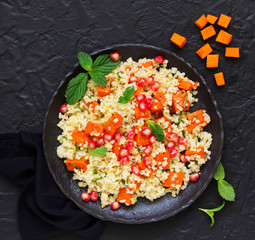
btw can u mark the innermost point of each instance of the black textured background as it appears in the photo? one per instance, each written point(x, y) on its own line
point(38, 46)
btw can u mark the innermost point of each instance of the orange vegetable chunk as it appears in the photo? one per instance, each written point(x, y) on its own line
point(163, 160)
point(142, 167)
point(197, 150)
point(80, 137)
point(71, 164)
point(178, 40)
point(201, 22)
point(113, 123)
point(196, 119)
point(208, 32)
point(146, 64)
point(124, 197)
point(167, 129)
point(174, 180)
point(139, 114)
point(157, 107)
point(212, 61)
point(204, 51)
point(138, 91)
point(141, 139)
point(224, 37)
point(103, 91)
point(224, 21)
point(161, 96)
point(179, 101)
point(94, 129)
point(211, 19)
point(93, 105)
point(219, 78)
point(184, 84)
point(116, 149)
point(232, 52)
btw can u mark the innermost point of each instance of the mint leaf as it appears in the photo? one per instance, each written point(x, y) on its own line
point(98, 152)
point(156, 130)
point(105, 64)
point(219, 174)
point(76, 88)
point(127, 95)
point(98, 78)
point(226, 190)
point(122, 100)
point(85, 61)
point(211, 212)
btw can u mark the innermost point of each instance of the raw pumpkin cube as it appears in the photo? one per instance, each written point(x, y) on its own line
point(204, 51)
point(219, 78)
point(224, 21)
point(232, 52)
point(178, 40)
point(211, 19)
point(201, 22)
point(208, 32)
point(224, 37)
point(212, 61)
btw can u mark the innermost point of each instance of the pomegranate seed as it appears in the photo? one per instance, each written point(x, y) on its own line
point(142, 82)
point(130, 145)
point(63, 108)
point(142, 106)
point(133, 79)
point(170, 145)
point(92, 144)
point(153, 139)
point(181, 147)
point(150, 81)
point(100, 142)
point(194, 176)
point(124, 152)
point(155, 86)
point(147, 161)
point(159, 59)
point(147, 132)
point(148, 149)
point(85, 196)
point(141, 98)
point(117, 136)
point(173, 137)
point(115, 56)
point(107, 137)
point(115, 205)
point(124, 160)
point(182, 141)
point(148, 102)
point(131, 134)
point(135, 169)
point(173, 152)
point(93, 195)
point(183, 158)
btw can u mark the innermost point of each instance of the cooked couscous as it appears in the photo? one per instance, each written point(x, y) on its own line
point(137, 162)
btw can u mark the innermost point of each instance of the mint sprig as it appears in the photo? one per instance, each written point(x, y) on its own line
point(225, 190)
point(127, 95)
point(156, 130)
point(98, 152)
point(211, 212)
point(97, 70)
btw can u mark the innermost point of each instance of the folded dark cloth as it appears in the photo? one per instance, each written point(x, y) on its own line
point(43, 210)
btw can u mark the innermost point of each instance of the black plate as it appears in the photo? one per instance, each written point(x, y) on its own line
point(143, 211)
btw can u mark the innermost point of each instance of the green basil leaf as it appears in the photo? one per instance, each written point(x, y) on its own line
point(211, 212)
point(226, 190)
point(98, 152)
point(156, 130)
point(105, 64)
point(219, 174)
point(85, 61)
point(98, 78)
point(122, 100)
point(76, 88)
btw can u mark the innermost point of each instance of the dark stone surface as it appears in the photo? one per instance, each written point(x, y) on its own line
point(39, 44)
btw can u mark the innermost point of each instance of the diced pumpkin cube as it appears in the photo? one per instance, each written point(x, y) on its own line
point(124, 196)
point(79, 164)
point(163, 160)
point(80, 137)
point(94, 129)
point(174, 180)
point(113, 123)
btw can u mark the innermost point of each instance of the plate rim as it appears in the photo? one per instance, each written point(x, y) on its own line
point(198, 193)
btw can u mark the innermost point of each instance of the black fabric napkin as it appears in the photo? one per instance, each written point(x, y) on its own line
point(43, 210)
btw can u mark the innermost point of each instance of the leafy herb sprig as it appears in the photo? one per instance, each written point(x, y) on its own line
point(127, 95)
point(97, 70)
point(156, 130)
point(225, 189)
point(98, 152)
